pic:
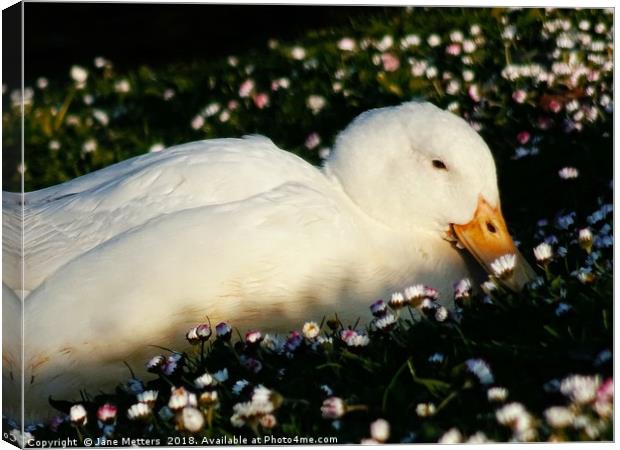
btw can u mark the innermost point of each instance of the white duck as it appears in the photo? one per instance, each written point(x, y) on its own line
point(241, 231)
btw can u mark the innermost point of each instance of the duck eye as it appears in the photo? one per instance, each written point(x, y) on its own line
point(437, 164)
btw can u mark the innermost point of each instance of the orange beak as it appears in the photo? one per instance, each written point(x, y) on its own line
point(486, 237)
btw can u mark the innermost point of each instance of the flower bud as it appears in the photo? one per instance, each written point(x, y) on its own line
point(107, 413)
point(223, 331)
point(78, 415)
point(586, 239)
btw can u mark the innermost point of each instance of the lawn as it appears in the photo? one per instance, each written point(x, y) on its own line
point(534, 366)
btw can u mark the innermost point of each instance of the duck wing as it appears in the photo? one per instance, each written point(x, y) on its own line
point(64, 221)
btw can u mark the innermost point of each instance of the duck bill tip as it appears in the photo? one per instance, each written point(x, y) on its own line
point(487, 238)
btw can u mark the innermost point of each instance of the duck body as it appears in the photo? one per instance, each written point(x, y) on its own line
point(236, 230)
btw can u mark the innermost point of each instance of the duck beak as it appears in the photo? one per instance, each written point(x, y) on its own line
point(486, 237)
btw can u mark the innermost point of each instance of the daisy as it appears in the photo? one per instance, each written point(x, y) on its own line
point(246, 88)
point(198, 122)
point(456, 36)
point(107, 413)
point(148, 397)
point(223, 331)
point(253, 337)
point(580, 389)
point(268, 421)
point(346, 44)
point(157, 147)
point(199, 333)
point(568, 173)
point(452, 436)
point(79, 75)
point(431, 293)
point(261, 100)
point(315, 103)
point(180, 398)
point(333, 408)
point(504, 266)
point(353, 339)
point(519, 96)
point(208, 398)
point(221, 375)
point(204, 380)
point(415, 293)
point(543, 253)
point(298, 53)
point(411, 40)
point(239, 386)
point(380, 430)
point(586, 239)
point(462, 289)
point(312, 141)
point(434, 40)
point(436, 358)
point(480, 369)
point(562, 309)
point(172, 363)
point(497, 394)
point(469, 46)
point(122, 86)
point(191, 419)
point(441, 314)
point(386, 43)
point(398, 300)
point(559, 416)
point(139, 411)
point(89, 146)
point(310, 330)
point(77, 414)
point(425, 409)
point(155, 363)
point(385, 322)
point(42, 83)
point(379, 308)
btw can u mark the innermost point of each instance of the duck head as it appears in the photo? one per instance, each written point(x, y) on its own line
point(416, 167)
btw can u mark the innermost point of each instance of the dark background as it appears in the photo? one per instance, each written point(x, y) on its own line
point(58, 35)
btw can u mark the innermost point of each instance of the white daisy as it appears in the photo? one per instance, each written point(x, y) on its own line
point(441, 314)
point(139, 411)
point(333, 408)
point(425, 409)
point(79, 75)
point(497, 394)
point(397, 300)
point(559, 416)
point(568, 173)
point(191, 419)
point(385, 322)
point(78, 416)
point(452, 436)
point(480, 369)
point(310, 330)
point(543, 253)
point(380, 430)
point(580, 389)
point(504, 266)
point(434, 40)
point(204, 380)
